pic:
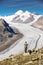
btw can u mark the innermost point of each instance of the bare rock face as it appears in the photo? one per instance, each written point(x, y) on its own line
point(39, 23)
point(8, 35)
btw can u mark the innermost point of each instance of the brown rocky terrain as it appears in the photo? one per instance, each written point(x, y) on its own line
point(8, 36)
point(35, 58)
point(39, 23)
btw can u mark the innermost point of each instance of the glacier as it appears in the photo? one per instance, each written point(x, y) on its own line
point(30, 33)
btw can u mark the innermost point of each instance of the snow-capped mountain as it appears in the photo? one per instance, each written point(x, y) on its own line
point(9, 18)
point(20, 17)
point(23, 17)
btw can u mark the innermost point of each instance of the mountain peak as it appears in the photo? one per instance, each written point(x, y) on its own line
point(27, 12)
point(19, 12)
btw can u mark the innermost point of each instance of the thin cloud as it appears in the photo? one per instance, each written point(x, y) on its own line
point(21, 3)
point(29, 4)
point(16, 3)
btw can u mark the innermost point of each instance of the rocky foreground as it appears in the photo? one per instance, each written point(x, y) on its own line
point(35, 58)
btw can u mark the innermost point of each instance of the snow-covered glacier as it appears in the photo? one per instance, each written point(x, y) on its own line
point(31, 35)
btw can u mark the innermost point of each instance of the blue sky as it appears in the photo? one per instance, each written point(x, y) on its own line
point(8, 7)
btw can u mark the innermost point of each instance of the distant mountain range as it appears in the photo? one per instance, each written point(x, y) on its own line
point(21, 17)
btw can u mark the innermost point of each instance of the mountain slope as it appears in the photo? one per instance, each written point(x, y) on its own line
point(6, 26)
point(35, 58)
point(39, 23)
point(7, 35)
